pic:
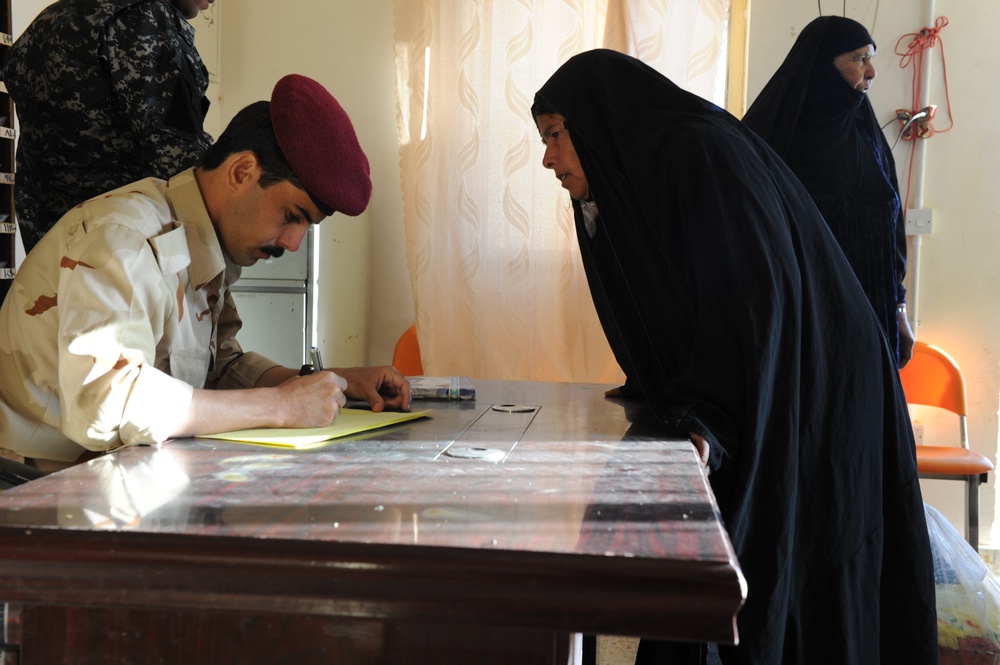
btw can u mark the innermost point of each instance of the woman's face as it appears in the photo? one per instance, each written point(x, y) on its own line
point(856, 67)
point(560, 155)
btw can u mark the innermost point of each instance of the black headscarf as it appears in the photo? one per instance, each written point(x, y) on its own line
point(728, 302)
point(827, 132)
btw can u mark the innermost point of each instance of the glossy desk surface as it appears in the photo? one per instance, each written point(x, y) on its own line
point(571, 515)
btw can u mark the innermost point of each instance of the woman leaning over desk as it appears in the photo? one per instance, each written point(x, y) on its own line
point(735, 316)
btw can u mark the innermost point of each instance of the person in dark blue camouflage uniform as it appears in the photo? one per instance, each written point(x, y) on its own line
point(106, 92)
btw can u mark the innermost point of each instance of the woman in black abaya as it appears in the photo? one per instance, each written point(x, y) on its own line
point(815, 113)
point(736, 317)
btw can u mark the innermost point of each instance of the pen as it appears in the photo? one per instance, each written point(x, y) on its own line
point(317, 363)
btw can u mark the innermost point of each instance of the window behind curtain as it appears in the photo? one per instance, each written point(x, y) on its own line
point(498, 284)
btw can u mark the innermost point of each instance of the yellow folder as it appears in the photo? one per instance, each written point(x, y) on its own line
point(350, 421)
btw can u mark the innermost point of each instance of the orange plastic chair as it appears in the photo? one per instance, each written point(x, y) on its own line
point(933, 378)
point(406, 356)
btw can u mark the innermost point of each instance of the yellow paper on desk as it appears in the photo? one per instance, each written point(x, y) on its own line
point(350, 421)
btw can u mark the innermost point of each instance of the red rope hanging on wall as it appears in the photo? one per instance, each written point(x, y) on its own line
point(913, 54)
point(917, 122)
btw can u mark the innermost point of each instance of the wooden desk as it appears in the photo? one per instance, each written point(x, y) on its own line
point(488, 533)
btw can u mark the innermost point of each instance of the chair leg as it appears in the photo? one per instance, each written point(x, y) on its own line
point(972, 511)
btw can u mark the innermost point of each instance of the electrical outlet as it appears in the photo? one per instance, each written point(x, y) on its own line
point(918, 221)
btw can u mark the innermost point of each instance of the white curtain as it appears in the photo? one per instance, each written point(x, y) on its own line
point(498, 284)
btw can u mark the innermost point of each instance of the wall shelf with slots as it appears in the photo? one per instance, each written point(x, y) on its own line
point(8, 222)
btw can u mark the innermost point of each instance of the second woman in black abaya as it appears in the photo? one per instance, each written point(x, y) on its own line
point(815, 113)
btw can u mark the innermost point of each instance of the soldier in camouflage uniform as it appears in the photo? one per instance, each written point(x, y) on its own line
point(106, 92)
point(120, 327)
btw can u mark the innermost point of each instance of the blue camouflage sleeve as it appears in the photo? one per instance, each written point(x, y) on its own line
point(159, 81)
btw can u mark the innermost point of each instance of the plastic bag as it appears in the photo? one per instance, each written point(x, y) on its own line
point(968, 597)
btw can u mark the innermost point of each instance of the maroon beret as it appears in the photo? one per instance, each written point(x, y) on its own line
point(318, 140)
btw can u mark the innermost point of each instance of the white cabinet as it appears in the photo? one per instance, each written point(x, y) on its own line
point(275, 301)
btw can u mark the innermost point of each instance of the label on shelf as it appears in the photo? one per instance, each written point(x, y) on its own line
point(6, 39)
point(6, 178)
point(6, 273)
point(7, 133)
point(8, 227)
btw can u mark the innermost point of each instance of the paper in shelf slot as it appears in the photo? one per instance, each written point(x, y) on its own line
point(6, 39)
point(8, 227)
point(6, 178)
point(6, 132)
point(442, 387)
point(6, 273)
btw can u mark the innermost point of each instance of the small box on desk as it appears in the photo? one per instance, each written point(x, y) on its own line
point(442, 387)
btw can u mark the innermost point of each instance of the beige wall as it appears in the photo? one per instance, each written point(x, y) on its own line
point(366, 300)
point(22, 11)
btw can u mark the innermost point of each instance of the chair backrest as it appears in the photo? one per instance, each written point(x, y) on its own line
point(406, 356)
point(933, 378)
